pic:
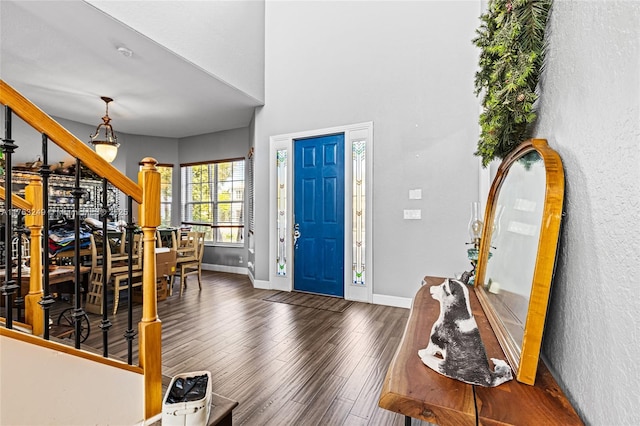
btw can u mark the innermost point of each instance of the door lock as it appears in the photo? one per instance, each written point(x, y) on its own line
point(296, 234)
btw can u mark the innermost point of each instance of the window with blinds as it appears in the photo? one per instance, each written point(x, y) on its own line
point(213, 198)
point(166, 173)
point(251, 194)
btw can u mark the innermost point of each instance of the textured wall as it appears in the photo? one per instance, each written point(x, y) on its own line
point(590, 113)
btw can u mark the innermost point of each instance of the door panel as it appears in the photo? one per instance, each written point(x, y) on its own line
point(319, 214)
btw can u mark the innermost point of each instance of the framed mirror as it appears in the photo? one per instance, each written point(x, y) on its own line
point(518, 251)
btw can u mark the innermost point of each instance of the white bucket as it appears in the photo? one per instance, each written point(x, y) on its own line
point(187, 413)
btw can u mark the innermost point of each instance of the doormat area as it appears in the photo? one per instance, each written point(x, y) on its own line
point(307, 300)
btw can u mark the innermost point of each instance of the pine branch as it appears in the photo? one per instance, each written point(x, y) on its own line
point(512, 44)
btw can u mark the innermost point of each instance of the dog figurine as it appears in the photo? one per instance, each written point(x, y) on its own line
point(455, 348)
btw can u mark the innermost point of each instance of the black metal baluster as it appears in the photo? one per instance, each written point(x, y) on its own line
point(130, 333)
point(47, 299)
point(105, 324)
point(19, 301)
point(9, 286)
point(78, 311)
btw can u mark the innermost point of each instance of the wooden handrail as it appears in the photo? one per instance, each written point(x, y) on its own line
point(40, 121)
point(17, 201)
point(146, 193)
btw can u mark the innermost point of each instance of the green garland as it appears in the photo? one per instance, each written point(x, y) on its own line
point(511, 39)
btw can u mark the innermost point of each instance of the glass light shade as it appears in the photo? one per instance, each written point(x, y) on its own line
point(475, 223)
point(107, 151)
point(106, 143)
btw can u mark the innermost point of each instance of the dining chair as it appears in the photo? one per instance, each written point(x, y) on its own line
point(189, 259)
point(117, 273)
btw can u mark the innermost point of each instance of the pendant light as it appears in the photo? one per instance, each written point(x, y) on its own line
point(104, 139)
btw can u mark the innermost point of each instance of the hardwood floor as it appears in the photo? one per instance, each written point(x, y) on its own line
point(284, 364)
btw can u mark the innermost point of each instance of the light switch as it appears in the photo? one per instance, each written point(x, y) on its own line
point(413, 214)
point(415, 194)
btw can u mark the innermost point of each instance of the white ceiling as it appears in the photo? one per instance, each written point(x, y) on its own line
point(63, 56)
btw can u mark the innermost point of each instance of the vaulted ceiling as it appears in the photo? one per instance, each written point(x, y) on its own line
point(65, 55)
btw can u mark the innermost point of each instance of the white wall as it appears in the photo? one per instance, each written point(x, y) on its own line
point(590, 113)
point(215, 146)
point(77, 391)
point(224, 38)
point(29, 140)
point(409, 68)
point(134, 148)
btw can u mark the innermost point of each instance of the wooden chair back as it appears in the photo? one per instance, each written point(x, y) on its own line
point(187, 248)
point(99, 257)
point(200, 246)
point(120, 263)
point(192, 264)
point(174, 239)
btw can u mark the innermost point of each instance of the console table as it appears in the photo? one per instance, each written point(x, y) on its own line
point(413, 389)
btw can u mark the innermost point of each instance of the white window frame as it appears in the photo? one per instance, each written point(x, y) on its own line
point(214, 186)
point(166, 203)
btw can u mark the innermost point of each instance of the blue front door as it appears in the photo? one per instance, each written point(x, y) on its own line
point(319, 215)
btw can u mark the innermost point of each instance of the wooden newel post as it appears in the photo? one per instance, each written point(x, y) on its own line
point(150, 327)
point(34, 315)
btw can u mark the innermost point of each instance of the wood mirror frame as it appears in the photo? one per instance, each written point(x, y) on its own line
point(524, 357)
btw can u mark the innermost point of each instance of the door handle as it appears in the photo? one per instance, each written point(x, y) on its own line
point(296, 234)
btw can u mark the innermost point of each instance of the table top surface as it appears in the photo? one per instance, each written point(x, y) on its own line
point(413, 389)
point(59, 271)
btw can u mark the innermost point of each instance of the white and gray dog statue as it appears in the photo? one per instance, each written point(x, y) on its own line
point(455, 348)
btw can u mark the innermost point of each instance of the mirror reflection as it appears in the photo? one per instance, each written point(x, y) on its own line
point(518, 251)
point(514, 242)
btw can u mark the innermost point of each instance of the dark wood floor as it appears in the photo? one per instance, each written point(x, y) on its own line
point(284, 364)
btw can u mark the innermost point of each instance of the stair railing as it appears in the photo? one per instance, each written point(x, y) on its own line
point(146, 193)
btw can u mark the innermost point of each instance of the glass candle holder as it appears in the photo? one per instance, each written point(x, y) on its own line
point(475, 224)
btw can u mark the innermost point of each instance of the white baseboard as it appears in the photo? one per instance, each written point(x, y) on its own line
point(225, 268)
point(152, 420)
point(378, 299)
point(398, 302)
point(261, 284)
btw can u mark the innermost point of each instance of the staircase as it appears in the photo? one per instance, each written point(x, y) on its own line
point(46, 382)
